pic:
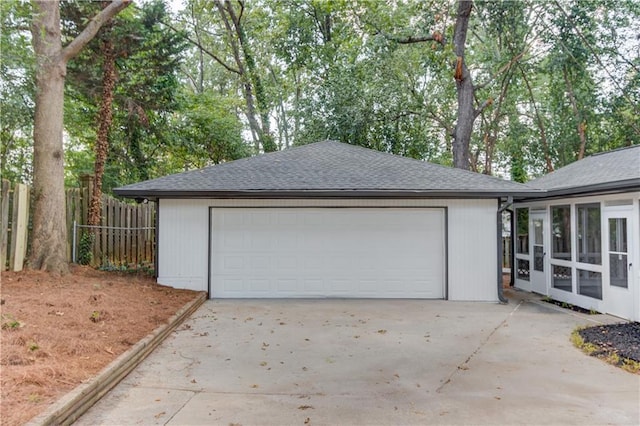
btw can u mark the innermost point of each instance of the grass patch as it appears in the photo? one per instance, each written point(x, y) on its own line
point(10, 323)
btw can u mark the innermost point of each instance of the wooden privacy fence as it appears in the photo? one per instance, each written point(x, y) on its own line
point(506, 252)
point(14, 214)
point(125, 237)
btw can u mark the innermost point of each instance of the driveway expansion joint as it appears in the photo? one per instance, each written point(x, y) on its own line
point(463, 366)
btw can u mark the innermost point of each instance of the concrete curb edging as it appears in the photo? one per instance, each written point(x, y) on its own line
point(75, 403)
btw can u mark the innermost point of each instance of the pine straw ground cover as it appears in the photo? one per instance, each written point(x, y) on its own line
point(57, 332)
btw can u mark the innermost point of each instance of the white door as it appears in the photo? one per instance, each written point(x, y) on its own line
point(538, 274)
point(619, 293)
point(327, 252)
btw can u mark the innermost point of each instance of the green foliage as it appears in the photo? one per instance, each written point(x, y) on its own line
point(145, 269)
point(334, 70)
point(17, 91)
point(208, 132)
point(85, 248)
point(96, 316)
point(148, 58)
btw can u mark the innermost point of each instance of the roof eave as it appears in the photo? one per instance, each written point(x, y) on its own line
point(323, 193)
point(629, 185)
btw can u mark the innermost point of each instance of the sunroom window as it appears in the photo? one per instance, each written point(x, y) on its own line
point(562, 277)
point(522, 231)
point(590, 284)
point(561, 232)
point(523, 269)
point(589, 240)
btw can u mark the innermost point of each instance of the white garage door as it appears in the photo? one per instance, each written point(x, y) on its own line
point(327, 252)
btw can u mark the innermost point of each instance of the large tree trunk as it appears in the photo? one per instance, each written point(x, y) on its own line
point(49, 237)
point(102, 141)
point(465, 89)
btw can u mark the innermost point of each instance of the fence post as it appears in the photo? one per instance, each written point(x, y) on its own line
point(4, 226)
point(19, 227)
point(75, 240)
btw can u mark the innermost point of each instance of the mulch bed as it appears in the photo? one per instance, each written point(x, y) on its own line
point(622, 339)
point(569, 306)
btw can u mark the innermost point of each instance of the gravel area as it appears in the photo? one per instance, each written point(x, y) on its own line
point(622, 339)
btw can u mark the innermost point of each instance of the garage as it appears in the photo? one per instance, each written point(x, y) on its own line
point(328, 252)
point(330, 220)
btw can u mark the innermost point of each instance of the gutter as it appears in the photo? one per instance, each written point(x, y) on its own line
point(502, 208)
point(591, 189)
point(153, 194)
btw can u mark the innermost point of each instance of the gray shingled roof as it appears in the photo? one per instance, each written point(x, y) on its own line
point(326, 169)
point(607, 171)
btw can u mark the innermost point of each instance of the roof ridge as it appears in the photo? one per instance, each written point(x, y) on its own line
point(622, 148)
point(423, 161)
point(329, 168)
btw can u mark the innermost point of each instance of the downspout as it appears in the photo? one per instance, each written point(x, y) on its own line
point(512, 216)
point(502, 208)
point(157, 232)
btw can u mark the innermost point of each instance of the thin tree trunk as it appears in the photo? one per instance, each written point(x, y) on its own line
point(102, 141)
point(200, 82)
point(580, 123)
point(256, 82)
point(283, 128)
point(465, 89)
point(491, 135)
point(540, 122)
point(251, 113)
point(253, 79)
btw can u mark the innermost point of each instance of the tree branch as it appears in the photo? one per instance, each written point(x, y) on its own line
point(482, 107)
point(504, 68)
point(241, 4)
point(203, 49)
point(92, 29)
point(436, 36)
point(588, 45)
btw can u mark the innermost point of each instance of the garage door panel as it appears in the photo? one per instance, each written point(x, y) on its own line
point(259, 286)
point(316, 286)
point(327, 253)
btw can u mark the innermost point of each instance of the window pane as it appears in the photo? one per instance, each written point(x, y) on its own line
point(618, 270)
point(538, 258)
point(561, 232)
point(562, 278)
point(589, 236)
point(522, 231)
point(523, 269)
point(618, 235)
point(538, 235)
point(590, 284)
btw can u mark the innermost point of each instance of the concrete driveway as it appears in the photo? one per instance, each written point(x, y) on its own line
point(262, 362)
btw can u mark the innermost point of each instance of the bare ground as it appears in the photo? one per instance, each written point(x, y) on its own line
point(58, 332)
